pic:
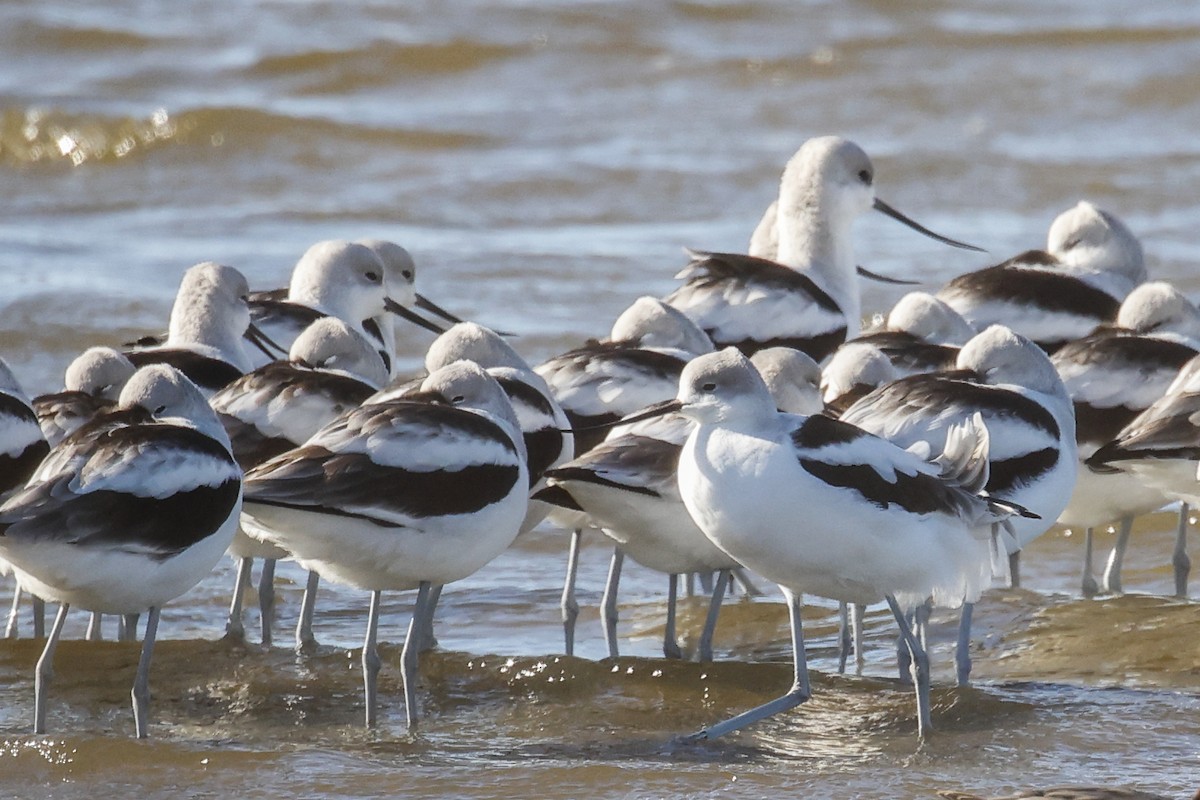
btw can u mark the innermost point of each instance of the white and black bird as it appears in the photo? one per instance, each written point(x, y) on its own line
point(855, 370)
point(331, 369)
point(808, 296)
point(878, 522)
point(1112, 376)
point(1091, 262)
point(400, 495)
point(920, 334)
point(92, 384)
point(127, 513)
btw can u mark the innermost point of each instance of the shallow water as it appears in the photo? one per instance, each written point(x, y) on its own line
point(545, 163)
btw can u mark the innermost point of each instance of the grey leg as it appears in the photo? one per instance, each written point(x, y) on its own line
point(1089, 588)
point(904, 653)
point(370, 659)
point(266, 599)
point(706, 582)
point(920, 662)
point(127, 631)
point(962, 650)
point(10, 630)
point(796, 695)
point(426, 640)
point(743, 579)
point(410, 656)
point(690, 585)
point(1116, 559)
point(1014, 569)
point(608, 608)
point(39, 617)
point(843, 637)
point(569, 606)
point(234, 629)
point(670, 642)
point(705, 652)
point(1179, 558)
point(305, 641)
point(44, 670)
point(94, 634)
point(141, 682)
point(857, 612)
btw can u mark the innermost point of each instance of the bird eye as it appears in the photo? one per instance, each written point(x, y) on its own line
point(160, 409)
point(708, 387)
point(373, 277)
point(865, 176)
point(407, 274)
point(1071, 245)
point(458, 398)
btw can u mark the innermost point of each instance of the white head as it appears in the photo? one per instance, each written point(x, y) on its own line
point(9, 383)
point(342, 278)
point(1000, 356)
point(399, 269)
point(169, 396)
point(100, 372)
point(929, 319)
point(1157, 308)
point(792, 378)
point(464, 384)
point(469, 341)
point(211, 310)
point(724, 387)
point(1089, 238)
point(856, 366)
point(652, 323)
point(330, 343)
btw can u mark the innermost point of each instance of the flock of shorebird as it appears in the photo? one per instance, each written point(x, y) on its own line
point(744, 424)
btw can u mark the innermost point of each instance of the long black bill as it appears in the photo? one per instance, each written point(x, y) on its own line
point(416, 319)
point(650, 412)
point(426, 304)
point(875, 276)
point(269, 347)
point(884, 208)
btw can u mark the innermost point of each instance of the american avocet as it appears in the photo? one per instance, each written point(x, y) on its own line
point(1091, 262)
point(1067, 793)
point(808, 297)
point(126, 514)
point(820, 506)
point(920, 334)
point(92, 384)
point(1009, 383)
point(1161, 446)
point(400, 495)
point(855, 369)
point(22, 448)
point(330, 369)
point(208, 322)
point(1112, 376)
point(627, 486)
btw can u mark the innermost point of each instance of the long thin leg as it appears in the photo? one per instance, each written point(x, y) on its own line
point(127, 631)
point(962, 650)
point(690, 585)
point(608, 608)
point(796, 695)
point(904, 653)
point(266, 599)
point(920, 668)
point(1179, 558)
point(427, 641)
point(141, 682)
point(410, 655)
point(1089, 588)
point(857, 613)
point(39, 617)
point(670, 642)
point(234, 628)
point(370, 658)
point(94, 634)
point(1116, 559)
point(305, 641)
point(11, 629)
point(569, 605)
point(706, 582)
point(44, 670)
point(1014, 569)
point(843, 636)
point(743, 579)
point(705, 651)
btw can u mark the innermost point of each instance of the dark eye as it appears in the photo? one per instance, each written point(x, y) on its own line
point(458, 398)
point(373, 277)
point(709, 387)
point(407, 274)
point(865, 176)
point(1071, 245)
point(160, 409)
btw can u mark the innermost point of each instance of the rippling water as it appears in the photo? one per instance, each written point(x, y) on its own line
point(545, 163)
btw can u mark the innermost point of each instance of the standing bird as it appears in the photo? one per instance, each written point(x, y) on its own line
point(1053, 296)
point(821, 506)
point(400, 495)
point(331, 369)
point(126, 514)
point(808, 298)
